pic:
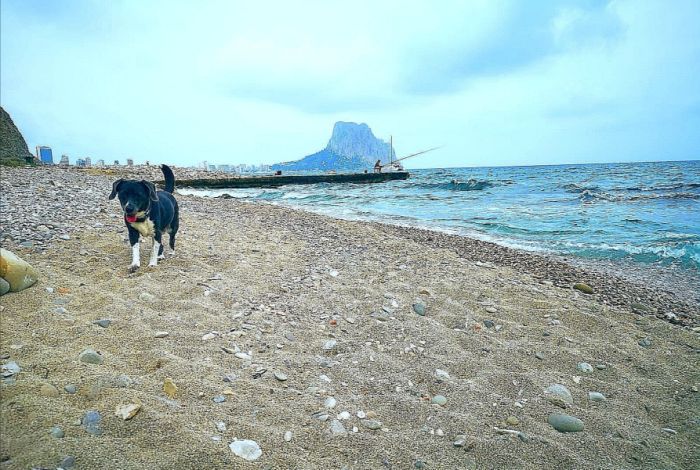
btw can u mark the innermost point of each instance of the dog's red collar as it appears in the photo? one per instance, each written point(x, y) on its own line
point(132, 219)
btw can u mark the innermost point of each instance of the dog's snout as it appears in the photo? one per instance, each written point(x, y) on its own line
point(128, 207)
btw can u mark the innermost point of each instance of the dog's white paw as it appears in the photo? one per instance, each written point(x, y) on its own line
point(133, 268)
point(161, 256)
point(152, 264)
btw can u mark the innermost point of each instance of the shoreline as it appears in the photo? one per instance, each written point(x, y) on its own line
point(330, 343)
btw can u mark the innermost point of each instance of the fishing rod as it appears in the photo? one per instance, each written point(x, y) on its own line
point(413, 155)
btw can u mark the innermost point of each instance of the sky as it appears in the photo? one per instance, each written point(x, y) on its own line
point(495, 82)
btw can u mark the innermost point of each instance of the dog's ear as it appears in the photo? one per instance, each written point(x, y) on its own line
point(151, 190)
point(115, 188)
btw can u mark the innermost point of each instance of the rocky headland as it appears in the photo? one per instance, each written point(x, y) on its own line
point(352, 147)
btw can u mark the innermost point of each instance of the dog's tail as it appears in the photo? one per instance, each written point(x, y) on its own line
point(169, 179)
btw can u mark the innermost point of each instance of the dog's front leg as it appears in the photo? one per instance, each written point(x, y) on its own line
point(156, 248)
point(135, 250)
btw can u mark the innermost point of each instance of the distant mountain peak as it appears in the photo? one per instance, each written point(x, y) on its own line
point(352, 146)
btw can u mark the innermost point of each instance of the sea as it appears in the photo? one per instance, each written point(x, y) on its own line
point(639, 213)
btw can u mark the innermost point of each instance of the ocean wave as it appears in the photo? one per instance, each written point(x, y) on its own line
point(684, 252)
point(579, 188)
point(663, 187)
point(591, 196)
point(455, 185)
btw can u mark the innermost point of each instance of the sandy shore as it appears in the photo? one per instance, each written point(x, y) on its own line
point(257, 290)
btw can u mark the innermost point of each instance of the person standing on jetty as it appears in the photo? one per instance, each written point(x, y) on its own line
point(378, 166)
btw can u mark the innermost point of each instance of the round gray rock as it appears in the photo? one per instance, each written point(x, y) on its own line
point(246, 449)
point(90, 356)
point(439, 400)
point(559, 395)
point(565, 423)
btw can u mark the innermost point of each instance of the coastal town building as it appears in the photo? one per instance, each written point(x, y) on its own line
point(100, 162)
point(80, 162)
point(44, 154)
point(116, 162)
point(65, 161)
point(129, 162)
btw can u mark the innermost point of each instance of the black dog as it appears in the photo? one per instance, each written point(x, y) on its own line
point(148, 213)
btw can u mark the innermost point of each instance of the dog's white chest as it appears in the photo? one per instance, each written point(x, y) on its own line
point(145, 228)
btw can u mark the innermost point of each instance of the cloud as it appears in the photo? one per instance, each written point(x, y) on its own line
point(497, 82)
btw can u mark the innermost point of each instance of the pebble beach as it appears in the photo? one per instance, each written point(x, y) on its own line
point(277, 338)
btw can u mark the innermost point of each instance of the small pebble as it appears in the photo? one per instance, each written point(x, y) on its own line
point(585, 288)
point(596, 396)
point(361, 414)
point(161, 334)
point(337, 428)
point(442, 374)
point(371, 424)
point(419, 308)
point(512, 421)
point(70, 388)
point(559, 395)
point(645, 342)
point(146, 297)
point(57, 432)
point(280, 376)
point(67, 462)
point(584, 367)
point(330, 402)
point(288, 436)
point(539, 355)
point(439, 400)
point(344, 415)
point(491, 309)
point(91, 422)
point(221, 426)
point(330, 345)
point(246, 449)
point(489, 323)
point(90, 356)
point(104, 322)
point(48, 390)
point(460, 440)
point(219, 399)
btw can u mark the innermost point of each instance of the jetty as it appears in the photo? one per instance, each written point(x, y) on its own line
point(282, 180)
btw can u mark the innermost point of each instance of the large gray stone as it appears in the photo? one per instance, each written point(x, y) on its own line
point(565, 423)
point(16, 272)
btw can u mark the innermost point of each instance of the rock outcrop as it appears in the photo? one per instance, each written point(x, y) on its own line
point(13, 147)
point(352, 147)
